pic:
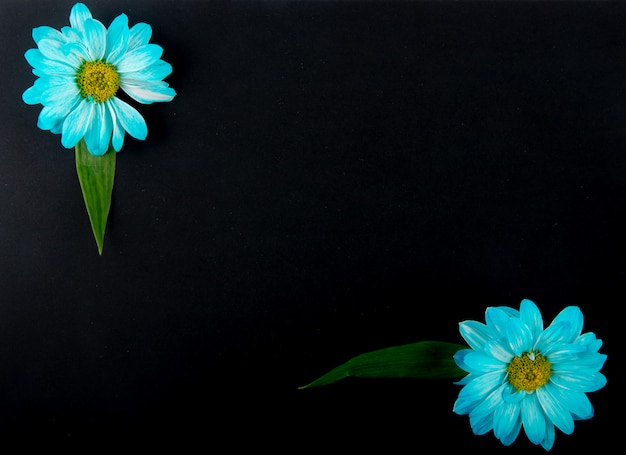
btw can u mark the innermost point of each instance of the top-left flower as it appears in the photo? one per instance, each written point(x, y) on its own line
point(80, 70)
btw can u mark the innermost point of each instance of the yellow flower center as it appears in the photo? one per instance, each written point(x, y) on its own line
point(529, 371)
point(97, 81)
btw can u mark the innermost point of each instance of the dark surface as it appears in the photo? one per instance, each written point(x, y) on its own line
point(332, 178)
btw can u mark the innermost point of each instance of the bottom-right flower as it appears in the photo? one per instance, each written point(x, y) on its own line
point(521, 375)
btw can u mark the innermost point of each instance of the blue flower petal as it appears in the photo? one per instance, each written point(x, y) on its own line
point(76, 123)
point(519, 336)
point(78, 15)
point(480, 362)
point(508, 439)
point(510, 395)
point(562, 352)
point(139, 58)
point(71, 35)
point(64, 96)
point(588, 382)
point(589, 341)
point(117, 39)
point(499, 350)
point(95, 39)
point(531, 316)
point(574, 317)
point(556, 334)
point(474, 333)
point(155, 72)
point(46, 32)
point(533, 419)
point(496, 320)
point(58, 52)
point(482, 385)
point(481, 417)
point(117, 139)
point(98, 135)
point(463, 406)
point(554, 409)
point(46, 67)
point(148, 94)
point(130, 119)
point(577, 403)
point(140, 35)
point(50, 116)
point(548, 440)
point(506, 422)
point(58, 128)
point(32, 95)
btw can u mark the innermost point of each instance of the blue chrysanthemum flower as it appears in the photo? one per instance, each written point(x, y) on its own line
point(521, 375)
point(80, 69)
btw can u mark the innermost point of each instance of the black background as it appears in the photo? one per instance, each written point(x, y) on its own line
point(333, 177)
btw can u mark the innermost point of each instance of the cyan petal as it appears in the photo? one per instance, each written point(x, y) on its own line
point(32, 95)
point(50, 116)
point(78, 15)
point(71, 34)
point(548, 440)
point(117, 39)
point(555, 334)
point(464, 405)
point(496, 320)
point(533, 419)
point(156, 72)
point(65, 95)
point(149, 94)
point(43, 66)
point(511, 312)
point(562, 352)
point(554, 409)
point(574, 317)
point(482, 416)
point(76, 124)
point(130, 119)
point(577, 403)
point(117, 138)
point(35, 58)
point(98, 134)
point(590, 341)
point(519, 336)
point(58, 51)
point(505, 420)
point(508, 439)
point(480, 362)
point(139, 58)
point(46, 32)
point(579, 382)
point(500, 350)
point(58, 128)
point(482, 385)
point(474, 333)
point(95, 39)
point(51, 48)
point(510, 395)
point(531, 316)
point(140, 35)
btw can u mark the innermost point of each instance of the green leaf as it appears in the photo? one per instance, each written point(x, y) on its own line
point(422, 360)
point(96, 175)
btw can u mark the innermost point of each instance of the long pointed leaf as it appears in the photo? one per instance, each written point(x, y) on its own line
point(96, 175)
point(424, 359)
